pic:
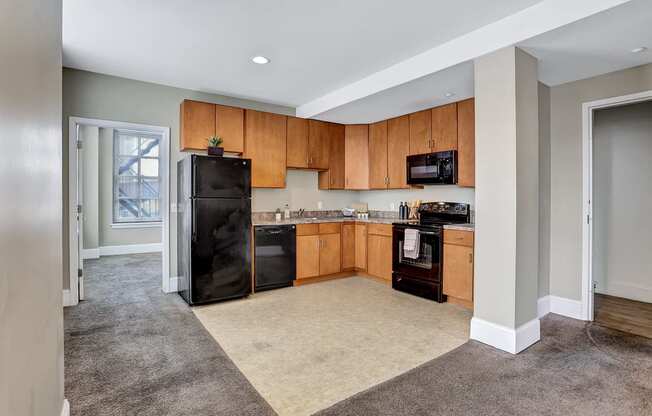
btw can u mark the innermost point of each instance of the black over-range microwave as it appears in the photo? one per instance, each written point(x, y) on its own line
point(438, 168)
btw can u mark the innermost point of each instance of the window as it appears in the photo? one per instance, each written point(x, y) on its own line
point(136, 177)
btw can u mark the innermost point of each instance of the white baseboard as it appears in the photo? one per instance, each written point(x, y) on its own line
point(629, 291)
point(543, 306)
point(65, 408)
point(173, 285)
point(130, 249)
point(68, 299)
point(561, 306)
point(504, 338)
point(91, 253)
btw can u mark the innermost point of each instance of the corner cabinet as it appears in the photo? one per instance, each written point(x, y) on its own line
point(308, 144)
point(458, 267)
point(265, 145)
point(199, 121)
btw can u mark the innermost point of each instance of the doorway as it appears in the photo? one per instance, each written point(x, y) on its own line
point(618, 235)
point(118, 195)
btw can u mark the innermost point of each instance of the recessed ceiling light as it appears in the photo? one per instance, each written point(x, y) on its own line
point(449, 94)
point(261, 60)
point(639, 49)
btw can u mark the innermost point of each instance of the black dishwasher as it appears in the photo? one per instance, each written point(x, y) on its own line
point(275, 256)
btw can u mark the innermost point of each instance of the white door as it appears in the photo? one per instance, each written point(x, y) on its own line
point(80, 217)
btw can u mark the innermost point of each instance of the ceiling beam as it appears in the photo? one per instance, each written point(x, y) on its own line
point(535, 20)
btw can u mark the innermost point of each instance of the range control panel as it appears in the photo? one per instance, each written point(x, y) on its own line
point(444, 208)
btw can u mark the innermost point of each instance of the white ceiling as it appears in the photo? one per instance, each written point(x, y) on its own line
point(315, 46)
point(322, 48)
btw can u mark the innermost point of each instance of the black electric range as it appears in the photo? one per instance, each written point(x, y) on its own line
point(423, 276)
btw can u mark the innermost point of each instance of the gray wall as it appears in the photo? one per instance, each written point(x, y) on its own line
point(544, 190)
point(622, 201)
point(91, 95)
point(116, 236)
point(31, 317)
point(566, 169)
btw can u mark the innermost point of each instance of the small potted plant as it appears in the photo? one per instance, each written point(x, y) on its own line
point(214, 148)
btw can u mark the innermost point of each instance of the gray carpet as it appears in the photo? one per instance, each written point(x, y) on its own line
point(577, 369)
point(132, 350)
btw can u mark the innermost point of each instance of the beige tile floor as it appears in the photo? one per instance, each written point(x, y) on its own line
point(306, 348)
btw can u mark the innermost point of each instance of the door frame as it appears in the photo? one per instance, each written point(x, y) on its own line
point(168, 283)
point(587, 189)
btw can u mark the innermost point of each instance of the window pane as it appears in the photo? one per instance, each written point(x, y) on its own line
point(128, 166)
point(149, 147)
point(149, 209)
point(149, 188)
point(128, 186)
point(128, 145)
point(128, 209)
point(149, 167)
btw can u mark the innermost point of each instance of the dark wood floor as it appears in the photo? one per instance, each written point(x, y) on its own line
point(624, 314)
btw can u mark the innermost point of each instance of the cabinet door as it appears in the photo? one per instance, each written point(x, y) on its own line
point(420, 133)
point(380, 256)
point(356, 156)
point(330, 260)
point(229, 125)
point(318, 144)
point(466, 142)
point(398, 148)
point(333, 178)
point(197, 124)
point(444, 128)
point(361, 246)
point(265, 135)
point(458, 272)
point(348, 246)
point(297, 143)
point(378, 155)
point(307, 256)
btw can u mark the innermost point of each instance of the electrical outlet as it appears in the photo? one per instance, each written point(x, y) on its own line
point(320, 205)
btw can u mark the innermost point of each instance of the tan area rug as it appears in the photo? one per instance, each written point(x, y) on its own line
point(306, 348)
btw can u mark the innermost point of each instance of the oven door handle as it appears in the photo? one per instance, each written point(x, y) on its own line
point(428, 233)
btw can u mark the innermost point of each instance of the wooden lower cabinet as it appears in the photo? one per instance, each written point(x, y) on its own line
point(379, 255)
point(348, 246)
point(330, 253)
point(361, 246)
point(458, 267)
point(307, 256)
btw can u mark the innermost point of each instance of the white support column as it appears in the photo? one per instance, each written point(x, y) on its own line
point(507, 200)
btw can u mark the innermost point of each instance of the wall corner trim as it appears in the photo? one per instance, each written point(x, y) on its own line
point(173, 285)
point(507, 339)
point(569, 308)
point(65, 408)
point(68, 299)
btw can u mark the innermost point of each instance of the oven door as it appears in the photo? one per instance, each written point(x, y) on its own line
point(428, 265)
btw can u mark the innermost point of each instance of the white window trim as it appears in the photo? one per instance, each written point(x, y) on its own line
point(151, 224)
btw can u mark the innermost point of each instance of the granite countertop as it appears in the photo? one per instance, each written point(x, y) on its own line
point(315, 220)
point(460, 227)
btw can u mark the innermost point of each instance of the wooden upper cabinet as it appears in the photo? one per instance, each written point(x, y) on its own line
point(420, 132)
point(378, 155)
point(444, 128)
point(334, 177)
point(466, 142)
point(297, 143)
point(265, 145)
point(229, 125)
point(318, 144)
point(356, 156)
point(197, 124)
point(398, 148)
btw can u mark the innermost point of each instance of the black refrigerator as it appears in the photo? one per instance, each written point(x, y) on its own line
point(213, 228)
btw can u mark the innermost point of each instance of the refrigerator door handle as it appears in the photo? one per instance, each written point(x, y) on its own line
point(194, 222)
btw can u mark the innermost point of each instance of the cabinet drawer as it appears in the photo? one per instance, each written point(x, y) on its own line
point(461, 238)
point(329, 228)
point(379, 229)
point(307, 229)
